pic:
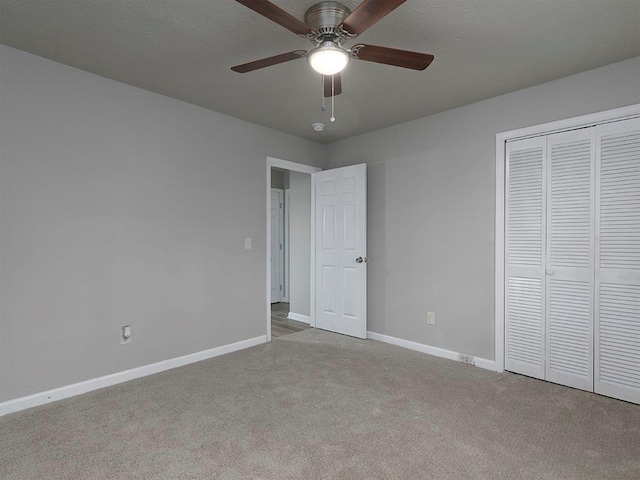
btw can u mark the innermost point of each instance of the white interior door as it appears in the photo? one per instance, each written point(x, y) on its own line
point(277, 257)
point(569, 258)
point(525, 346)
point(617, 295)
point(341, 250)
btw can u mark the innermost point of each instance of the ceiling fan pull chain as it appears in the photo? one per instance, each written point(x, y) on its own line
point(333, 98)
point(323, 107)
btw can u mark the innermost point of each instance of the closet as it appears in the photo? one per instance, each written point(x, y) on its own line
point(572, 258)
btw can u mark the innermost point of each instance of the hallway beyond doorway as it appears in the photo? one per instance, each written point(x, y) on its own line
point(280, 324)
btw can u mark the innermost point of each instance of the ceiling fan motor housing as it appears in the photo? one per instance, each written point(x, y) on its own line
point(324, 18)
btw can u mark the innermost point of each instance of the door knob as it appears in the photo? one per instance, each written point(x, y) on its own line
point(550, 272)
point(361, 260)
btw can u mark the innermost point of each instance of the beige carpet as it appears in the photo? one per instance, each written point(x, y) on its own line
point(314, 405)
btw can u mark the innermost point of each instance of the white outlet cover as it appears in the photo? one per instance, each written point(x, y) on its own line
point(468, 359)
point(431, 318)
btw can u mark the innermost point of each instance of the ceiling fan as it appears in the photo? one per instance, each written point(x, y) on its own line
point(328, 25)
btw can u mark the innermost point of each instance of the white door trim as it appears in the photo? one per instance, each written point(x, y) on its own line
point(294, 167)
point(502, 138)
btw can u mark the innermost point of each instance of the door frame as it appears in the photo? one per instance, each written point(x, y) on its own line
point(294, 167)
point(502, 138)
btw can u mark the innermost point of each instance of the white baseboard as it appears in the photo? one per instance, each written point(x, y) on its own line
point(301, 318)
point(430, 350)
point(67, 391)
point(486, 364)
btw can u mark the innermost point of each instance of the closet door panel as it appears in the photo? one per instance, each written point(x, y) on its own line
point(570, 333)
point(524, 257)
point(569, 258)
point(617, 302)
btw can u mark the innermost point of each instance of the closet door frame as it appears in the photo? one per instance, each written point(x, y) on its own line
point(590, 120)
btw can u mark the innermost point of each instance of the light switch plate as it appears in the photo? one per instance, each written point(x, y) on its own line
point(247, 243)
point(125, 340)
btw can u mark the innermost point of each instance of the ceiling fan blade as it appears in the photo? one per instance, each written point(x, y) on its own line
point(267, 62)
point(368, 13)
point(337, 85)
point(392, 56)
point(277, 15)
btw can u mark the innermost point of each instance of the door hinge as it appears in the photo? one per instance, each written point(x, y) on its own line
point(280, 246)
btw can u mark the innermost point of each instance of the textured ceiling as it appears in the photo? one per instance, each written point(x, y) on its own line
point(184, 49)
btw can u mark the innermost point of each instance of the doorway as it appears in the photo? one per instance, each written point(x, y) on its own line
point(335, 282)
point(290, 247)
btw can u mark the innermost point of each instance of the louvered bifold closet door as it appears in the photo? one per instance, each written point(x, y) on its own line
point(569, 258)
point(617, 295)
point(524, 257)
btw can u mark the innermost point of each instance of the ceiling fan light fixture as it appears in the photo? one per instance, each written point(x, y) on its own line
point(328, 58)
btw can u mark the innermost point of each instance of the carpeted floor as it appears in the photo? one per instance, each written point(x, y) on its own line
point(315, 405)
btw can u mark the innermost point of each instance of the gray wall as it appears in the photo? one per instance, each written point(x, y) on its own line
point(299, 243)
point(277, 179)
point(119, 206)
point(431, 205)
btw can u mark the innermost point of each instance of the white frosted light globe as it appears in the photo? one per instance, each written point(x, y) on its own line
point(328, 60)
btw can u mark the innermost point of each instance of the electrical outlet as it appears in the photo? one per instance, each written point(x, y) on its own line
point(125, 335)
point(431, 318)
point(466, 358)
